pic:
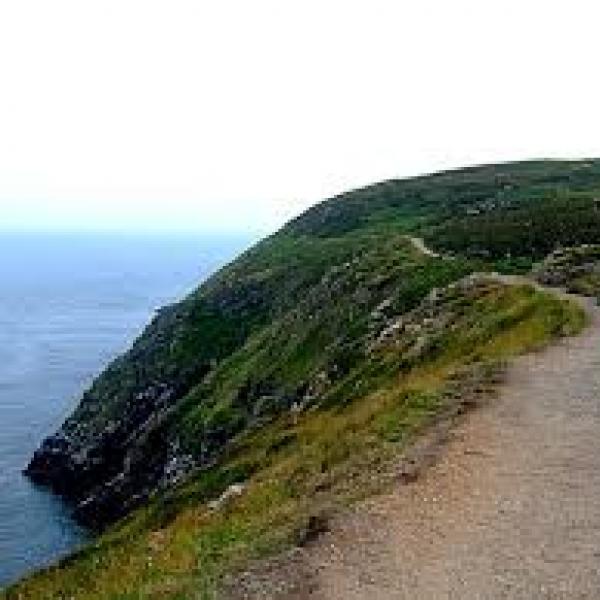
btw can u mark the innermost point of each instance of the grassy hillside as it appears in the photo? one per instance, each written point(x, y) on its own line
point(296, 471)
point(302, 370)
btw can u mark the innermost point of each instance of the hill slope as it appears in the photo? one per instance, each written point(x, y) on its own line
point(305, 365)
point(517, 484)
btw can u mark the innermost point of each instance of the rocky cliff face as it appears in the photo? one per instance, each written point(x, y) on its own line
point(575, 268)
point(110, 472)
point(289, 324)
point(115, 450)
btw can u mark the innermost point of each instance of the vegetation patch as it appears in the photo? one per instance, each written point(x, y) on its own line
point(299, 466)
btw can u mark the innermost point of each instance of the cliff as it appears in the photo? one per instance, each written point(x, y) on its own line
point(287, 327)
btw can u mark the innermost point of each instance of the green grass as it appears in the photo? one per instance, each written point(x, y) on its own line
point(329, 458)
point(527, 231)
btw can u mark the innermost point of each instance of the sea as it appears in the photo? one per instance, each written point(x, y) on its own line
point(69, 303)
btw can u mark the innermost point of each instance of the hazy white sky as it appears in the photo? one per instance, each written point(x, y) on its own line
point(229, 115)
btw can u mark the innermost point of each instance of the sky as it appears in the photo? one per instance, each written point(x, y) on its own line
point(236, 115)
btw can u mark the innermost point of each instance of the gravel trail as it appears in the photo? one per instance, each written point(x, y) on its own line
point(510, 510)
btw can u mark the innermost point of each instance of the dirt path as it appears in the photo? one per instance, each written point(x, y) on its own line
point(511, 510)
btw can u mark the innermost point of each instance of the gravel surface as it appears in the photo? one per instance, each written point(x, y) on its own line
point(510, 510)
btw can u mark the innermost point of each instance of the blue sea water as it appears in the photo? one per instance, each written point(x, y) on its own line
point(69, 303)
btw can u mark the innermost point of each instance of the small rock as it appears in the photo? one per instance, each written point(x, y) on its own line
point(233, 491)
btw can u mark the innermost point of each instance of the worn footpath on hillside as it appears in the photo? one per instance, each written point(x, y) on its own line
point(510, 510)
